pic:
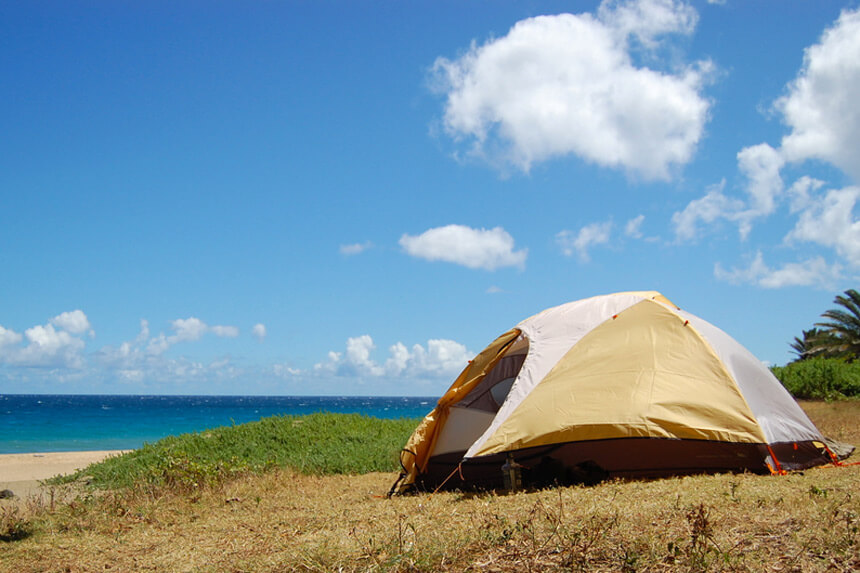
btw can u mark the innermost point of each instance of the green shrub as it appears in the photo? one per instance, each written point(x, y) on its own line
point(820, 378)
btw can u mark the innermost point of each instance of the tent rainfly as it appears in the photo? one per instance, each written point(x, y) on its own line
point(620, 385)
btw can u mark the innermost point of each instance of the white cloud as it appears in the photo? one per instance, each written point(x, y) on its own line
point(158, 345)
point(224, 331)
point(188, 329)
point(131, 376)
point(831, 222)
point(285, 371)
point(812, 272)
point(355, 248)
point(633, 228)
point(761, 165)
point(567, 84)
point(821, 105)
point(472, 248)
point(821, 111)
point(143, 360)
point(713, 206)
point(143, 336)
point(75, 322)
point(147, 350)
point(183, 370)
point(587, 237)
point(826, 219)
point(440, 359)
point(48, 347)
point(53, 345)
point(399, 359)
point(800, 193)
point(358, 355)
point(355, 361)
point(192, 329)
point(647, 20)
point(8, 338)
point(58, 347)
point(259, 331)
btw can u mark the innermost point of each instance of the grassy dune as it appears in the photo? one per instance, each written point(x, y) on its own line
point(315, 444)
point(284, 520)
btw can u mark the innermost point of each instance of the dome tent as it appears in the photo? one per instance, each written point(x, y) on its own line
point(620, 385)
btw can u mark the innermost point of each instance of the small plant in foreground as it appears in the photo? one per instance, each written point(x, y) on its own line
point(815, 491)
point(701, 535)
point(13, 526)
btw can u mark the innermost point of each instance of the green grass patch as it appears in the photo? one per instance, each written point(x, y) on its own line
point(315, 444)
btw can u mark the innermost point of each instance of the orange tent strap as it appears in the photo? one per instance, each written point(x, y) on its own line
point(833, 457)
point(779, 470)
point(835, 460)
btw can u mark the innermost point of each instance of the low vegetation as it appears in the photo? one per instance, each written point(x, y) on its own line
point(827, 365)
point(267, 515)
point(820, 378)
point(319, 444)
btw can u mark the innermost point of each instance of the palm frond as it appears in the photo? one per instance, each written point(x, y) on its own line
point(840, 333)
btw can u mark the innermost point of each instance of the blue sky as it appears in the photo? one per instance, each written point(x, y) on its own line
point(354, 198)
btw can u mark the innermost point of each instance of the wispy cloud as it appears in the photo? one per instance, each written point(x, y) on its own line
point(815, 272)
point(355, 248)
point(582, 241)
point(259, 331)
point(439, 358)
point(633, 228)
point(830, 222)
point(713, 206)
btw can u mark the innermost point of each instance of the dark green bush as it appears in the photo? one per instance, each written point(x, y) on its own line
point(820, 378)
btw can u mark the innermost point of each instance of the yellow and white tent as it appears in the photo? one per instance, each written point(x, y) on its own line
point(624, 385)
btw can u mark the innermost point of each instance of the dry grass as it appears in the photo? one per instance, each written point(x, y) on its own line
point(837, 420)
point(282, 521)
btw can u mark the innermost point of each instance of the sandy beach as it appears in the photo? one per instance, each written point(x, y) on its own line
point(21, 473)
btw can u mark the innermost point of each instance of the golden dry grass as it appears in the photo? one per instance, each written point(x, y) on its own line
point(282, 521)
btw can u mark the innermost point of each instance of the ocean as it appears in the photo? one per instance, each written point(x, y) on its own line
point(62, 423)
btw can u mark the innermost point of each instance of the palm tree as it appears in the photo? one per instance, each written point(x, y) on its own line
point(810, 345)
point(842, 331)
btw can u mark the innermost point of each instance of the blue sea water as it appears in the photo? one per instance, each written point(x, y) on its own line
point(59, 423)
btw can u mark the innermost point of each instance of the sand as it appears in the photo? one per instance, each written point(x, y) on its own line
point(21, 473)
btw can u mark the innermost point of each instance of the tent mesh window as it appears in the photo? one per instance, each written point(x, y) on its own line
point(490, 393)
